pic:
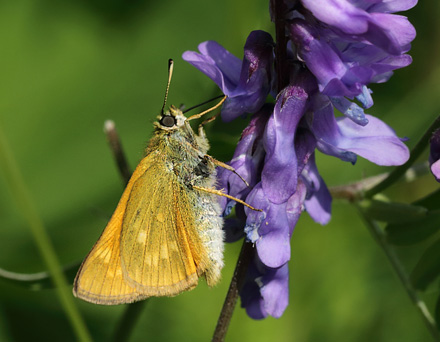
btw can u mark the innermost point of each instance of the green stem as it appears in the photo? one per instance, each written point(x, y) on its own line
point(356, 191)
point(400, 170)
point(118, 152)
point(237, 282)
point(133, 311)
point(380, 238)
point(128, 321)
point(23, 199)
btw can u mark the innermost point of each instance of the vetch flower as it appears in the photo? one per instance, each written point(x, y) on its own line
point(266, 290)
point(247, 160)
point(246, 83)
point(271, 230)
point(279, 177)
point(343, 138)
point(318, 201)
point(434, 156)
point(349, 44)
point(337, 48)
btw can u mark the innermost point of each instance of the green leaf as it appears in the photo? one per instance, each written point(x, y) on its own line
point(437, 313)
point(392, 212)
point(418, 229)
point(427, 268)
point(414, 231)
point(37, 281)
point(431, 202)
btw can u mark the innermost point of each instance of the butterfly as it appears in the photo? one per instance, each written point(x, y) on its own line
point(166, 231)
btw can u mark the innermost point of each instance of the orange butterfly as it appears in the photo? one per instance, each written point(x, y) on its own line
point(166, 231)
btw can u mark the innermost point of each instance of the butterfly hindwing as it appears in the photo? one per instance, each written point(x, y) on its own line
point(160, 248)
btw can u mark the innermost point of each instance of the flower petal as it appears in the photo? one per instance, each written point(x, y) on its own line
point(247, 85)
point(273, 245)
point(335, 76)
point(376, 141)
point(279, 175)
point(257, 199)
point(266, 290)
point(365, 97)
point(247, 160)
point(339, 13)
point(217, 63)
point(350, 110)
point(434, 156)
point(390, 6)
point(319, 201)
point(390, 32)
point(275, 291)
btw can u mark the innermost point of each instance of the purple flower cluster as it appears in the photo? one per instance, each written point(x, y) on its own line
point(336, 49)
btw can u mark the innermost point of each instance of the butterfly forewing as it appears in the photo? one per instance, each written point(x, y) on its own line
point(158, 227)
point(100, 279)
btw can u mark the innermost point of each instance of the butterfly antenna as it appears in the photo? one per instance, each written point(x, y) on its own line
point(203, 103)
point(196, 116)
point(170, 74)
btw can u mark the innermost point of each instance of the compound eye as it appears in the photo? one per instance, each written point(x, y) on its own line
point(168, 121)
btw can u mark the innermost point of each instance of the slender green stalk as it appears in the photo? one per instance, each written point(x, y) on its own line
point(380, 238)
point(128, 321)
point(23, 199)
point(132, 312)
point(117, 150)
point(400, 170)
point(246, 254)
point(356, 191)
point(5, 334)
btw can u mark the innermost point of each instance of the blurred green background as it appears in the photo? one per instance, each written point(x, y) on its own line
point(67, 66)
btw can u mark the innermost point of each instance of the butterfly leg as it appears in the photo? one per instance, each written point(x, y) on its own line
point(221, 193)
point(201, 131)
point(227, 167)
point(201, 137)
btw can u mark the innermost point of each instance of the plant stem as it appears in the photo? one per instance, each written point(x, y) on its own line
point(128, 321)
point(117, 150)
point(129, 318)
point(246, 254)
point(356, 191)
point(400, 170)
point(279, 12)
point(25, 203)
point(380, 238)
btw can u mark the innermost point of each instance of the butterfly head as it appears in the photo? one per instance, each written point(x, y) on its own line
point(171, 120)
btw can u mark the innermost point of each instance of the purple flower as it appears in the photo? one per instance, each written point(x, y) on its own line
point(318, 201)
point(279, 176)
point(247, 160)
point(337, 49)
point(434, 157)
point(349, 44)
point(343, 138)
point(266, 290)
point(246, 83)
point(271, 230)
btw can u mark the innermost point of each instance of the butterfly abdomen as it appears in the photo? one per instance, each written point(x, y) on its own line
point(209, 221)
